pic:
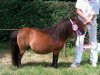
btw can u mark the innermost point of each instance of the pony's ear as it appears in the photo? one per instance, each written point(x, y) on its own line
point(73, 18)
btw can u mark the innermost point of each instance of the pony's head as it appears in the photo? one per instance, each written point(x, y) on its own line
point(63, 29)
point(77, 25)
point(66, 26)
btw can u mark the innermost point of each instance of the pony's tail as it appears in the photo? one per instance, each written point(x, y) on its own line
point(14, 49)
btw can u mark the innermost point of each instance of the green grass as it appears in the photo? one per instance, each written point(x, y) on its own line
point(41, 65)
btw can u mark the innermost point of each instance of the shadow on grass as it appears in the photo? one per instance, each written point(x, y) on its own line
point(99, 59)
point(88, 61)
point(47, 64)
point(85, 62)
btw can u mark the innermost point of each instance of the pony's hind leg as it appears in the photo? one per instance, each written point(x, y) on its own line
point(21, 53)
point(55, 59)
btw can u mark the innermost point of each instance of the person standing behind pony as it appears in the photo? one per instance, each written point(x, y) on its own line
point(87, 11)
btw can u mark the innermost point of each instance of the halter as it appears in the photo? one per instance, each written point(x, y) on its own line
point(75, 28)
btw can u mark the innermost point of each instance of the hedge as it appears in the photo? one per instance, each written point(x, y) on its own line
point(32, 13)
point(18, 14)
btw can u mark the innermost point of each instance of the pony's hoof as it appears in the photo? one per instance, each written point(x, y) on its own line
point(19, 66)
point(54, 66)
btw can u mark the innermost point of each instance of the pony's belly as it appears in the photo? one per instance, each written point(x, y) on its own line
point(41, 45)
point(42, 51)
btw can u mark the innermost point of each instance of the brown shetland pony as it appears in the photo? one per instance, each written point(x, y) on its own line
point(42, 41)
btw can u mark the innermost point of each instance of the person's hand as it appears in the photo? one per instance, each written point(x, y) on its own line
point(88, 21)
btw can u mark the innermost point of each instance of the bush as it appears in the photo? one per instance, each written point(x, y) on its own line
point(98, 21)
point(16, 14)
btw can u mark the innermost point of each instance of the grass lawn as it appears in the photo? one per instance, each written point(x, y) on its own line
point(35, 64)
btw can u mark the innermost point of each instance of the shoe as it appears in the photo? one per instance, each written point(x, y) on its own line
point(75, 65)
point(94, 65)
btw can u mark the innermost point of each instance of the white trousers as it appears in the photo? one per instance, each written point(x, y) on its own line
point(92, 31)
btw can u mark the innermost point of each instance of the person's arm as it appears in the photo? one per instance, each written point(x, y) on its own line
point(95, 10)
point(80, 13)
point(86, 19)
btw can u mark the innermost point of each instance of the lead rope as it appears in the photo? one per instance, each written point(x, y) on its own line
point(76, 29)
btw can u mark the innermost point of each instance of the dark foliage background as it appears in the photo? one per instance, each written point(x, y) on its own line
point(16, 14)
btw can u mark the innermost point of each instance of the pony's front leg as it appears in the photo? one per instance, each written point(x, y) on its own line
point(55, 59)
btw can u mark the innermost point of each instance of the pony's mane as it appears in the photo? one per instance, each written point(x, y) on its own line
point(60, 30)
